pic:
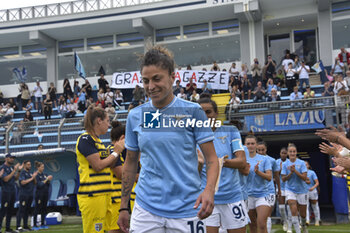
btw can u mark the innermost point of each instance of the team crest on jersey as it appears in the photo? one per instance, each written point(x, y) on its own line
point(6, 204)
point(23, 203)
point(98, 226)
point(223, 139)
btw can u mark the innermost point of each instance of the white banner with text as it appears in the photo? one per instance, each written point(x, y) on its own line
point(216, 79)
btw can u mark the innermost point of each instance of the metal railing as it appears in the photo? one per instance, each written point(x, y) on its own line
point(66, 8)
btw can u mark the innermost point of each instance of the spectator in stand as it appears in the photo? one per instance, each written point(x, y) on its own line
point(290, 78)
point(189, 67)
point(101, 102)
point(63, 109)
point(347, 78)
point(206, 87)
point(61, 100)
point(297, 62)
point(138, 96)
point(296, 95)
point(29, 106)
point(8, 113)
point(231, 83)
point(52, 93)
point(25, 94)
point(280, 76)
point(328, 89)
point(259, 93)
point(256, 72)
point(72, 109)
point(270, 67)
point(194, 97)
point(89, 101)
point(344, 57)
point(176, 88)
point(101, 94)
point(28, 116)
point(190, 87)
point(215, 67)
point(273, 96)
point(303, 72)
point(309, 93)
point(277, 82)
point(67, 89)
point(340, 86)
point(38, 93)
point(82, 100)
point(109, 96)
point(76, 87)
point(2, 98)
point(182, 94)
point(286, 61)
point(102, 83)
point(233, 70)
point(47, 107)
point(88, 88)
point(270, 86)
point(244, 70)
point(337, 67)
point(110, 110)
point(13, 104)
point(75, 99)
point(246, 87)
point(118, 97)
point(234, 101)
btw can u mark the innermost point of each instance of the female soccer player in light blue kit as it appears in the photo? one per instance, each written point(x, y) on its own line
point(229, 210)
point(294, 173)
point(313, 195)
point(262, 149)
point(168, 189)
point(257, 187)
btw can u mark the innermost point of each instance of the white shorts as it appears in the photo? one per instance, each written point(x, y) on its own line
point(301, 199)
point(283, 193)
point(143, 221)
point(271, 199)
point(313, 195)
point(228, 216)
point(254, 202)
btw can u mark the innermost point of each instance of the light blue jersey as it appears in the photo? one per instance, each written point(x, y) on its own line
point(243, 179)
point(256, 185)
point(169, 183)
point(227, 141)
point(312, 177)
point(295, 184)
point(274, 168)
point(279, 163)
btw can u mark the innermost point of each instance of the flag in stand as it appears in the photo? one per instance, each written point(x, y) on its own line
point(101, 71)
point(79, 66)
point(317, 67)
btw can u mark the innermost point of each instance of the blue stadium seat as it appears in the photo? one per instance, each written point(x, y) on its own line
point(56, 186)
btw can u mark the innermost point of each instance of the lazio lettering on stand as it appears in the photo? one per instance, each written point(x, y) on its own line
point(217, 80)
point(285, 121)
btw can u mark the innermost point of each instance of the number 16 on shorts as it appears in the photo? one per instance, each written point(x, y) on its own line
point(196, 226)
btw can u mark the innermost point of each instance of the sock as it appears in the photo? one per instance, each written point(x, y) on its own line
point(307, 213)
point(295, 221)
point(316, 210)
point(289, 218)
point(269, 224)
point(282, 210)
point(303, 222)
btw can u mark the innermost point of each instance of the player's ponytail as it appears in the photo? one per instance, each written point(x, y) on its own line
point(117, 130)
point(38, 164)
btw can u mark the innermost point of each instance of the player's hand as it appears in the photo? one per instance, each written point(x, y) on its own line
point(331, 134)
point(21, 166)
point(292, 168)
point(311, 189)
point(307, 181)
point(35, 174)
point(343, 162)
point(49, 177)
point(120, 144)
point(207, 200)
point(16, 166)
point(123, 221)
point(338, 169)
point(256, 168)
point(279, 193)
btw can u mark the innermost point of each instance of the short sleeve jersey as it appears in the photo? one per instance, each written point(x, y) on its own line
point(256, 185)
point(169, 182)
point(227, 142)
point(279, 163)
point(312, 177)
point(8, 186)
point(274, 168)
point(28, 188)
point(295, 184)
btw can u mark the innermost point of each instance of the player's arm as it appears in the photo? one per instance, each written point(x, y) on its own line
point(276, 177)
point(24, 182)
point(9, 176)
point(316, 185)
point(212, 167)
point(239, 162)
point(287, 177)
point(267, 175)
point(245, 171)
point(302, 176)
